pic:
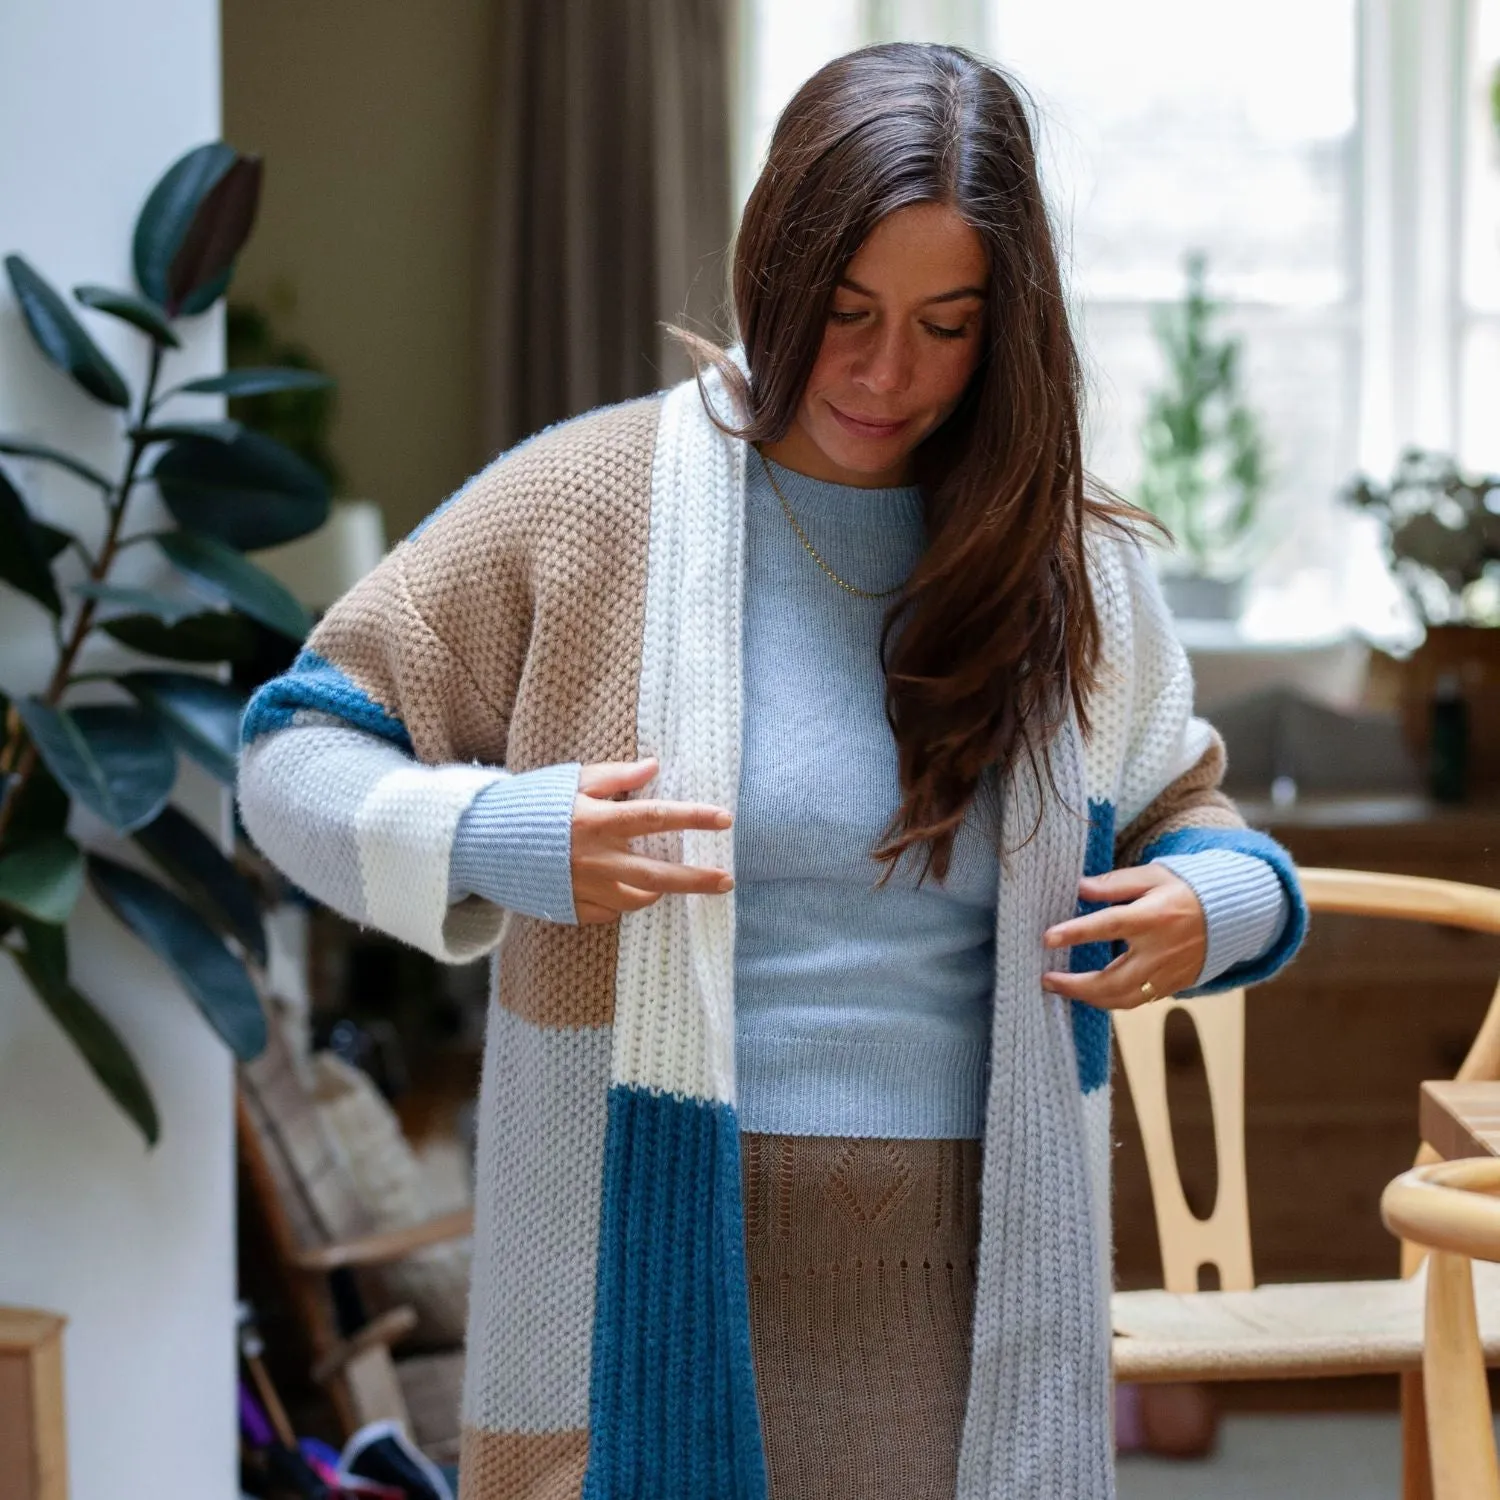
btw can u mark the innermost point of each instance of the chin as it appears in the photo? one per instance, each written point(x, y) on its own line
point(870, 456)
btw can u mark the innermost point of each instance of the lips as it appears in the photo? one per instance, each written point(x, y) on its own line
point(868, 427)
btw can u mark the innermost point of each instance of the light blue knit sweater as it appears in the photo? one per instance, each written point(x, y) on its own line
point(858, 1011)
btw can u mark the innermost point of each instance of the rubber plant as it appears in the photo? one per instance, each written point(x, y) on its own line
point(111, 742)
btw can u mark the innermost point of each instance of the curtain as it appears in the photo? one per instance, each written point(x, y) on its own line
point(610, 202)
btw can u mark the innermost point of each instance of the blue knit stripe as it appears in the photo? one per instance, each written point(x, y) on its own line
point(313, 682)
point(1091, 1030)
point(1263, 846)
point(672, 1405)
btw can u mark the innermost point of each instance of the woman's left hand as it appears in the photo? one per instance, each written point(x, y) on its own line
point(1157, 914)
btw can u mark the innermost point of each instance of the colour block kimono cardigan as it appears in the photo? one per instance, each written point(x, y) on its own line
point(580, 599)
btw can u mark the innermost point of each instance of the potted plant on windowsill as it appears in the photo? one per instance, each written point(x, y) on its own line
point(1442, 539)
point(106, 731)
point(1204, 472)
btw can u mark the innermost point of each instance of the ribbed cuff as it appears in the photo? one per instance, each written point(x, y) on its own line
point(514, 844)
point(1244, 905)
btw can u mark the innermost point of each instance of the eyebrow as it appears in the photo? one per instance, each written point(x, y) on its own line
point(958, 294)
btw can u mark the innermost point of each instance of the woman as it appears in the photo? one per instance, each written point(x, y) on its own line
point(793, 1168)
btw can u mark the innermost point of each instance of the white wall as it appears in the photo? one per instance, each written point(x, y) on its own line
point(136, 1248)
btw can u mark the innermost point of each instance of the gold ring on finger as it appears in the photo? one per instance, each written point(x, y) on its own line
point(1148, 990)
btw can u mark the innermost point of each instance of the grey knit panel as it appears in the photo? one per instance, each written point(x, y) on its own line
point(300, 792)
point(538, 1179)
point(1037, 1425)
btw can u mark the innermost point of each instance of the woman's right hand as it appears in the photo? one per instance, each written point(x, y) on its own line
point(608, 876)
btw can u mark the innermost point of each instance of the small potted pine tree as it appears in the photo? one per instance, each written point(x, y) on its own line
point(1204, 474)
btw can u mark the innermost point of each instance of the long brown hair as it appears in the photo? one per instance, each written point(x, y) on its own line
point(998, 614)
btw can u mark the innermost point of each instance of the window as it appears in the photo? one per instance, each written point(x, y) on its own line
point(1336, 161)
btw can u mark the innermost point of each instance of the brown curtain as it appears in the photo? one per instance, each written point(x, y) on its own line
point(609, 204)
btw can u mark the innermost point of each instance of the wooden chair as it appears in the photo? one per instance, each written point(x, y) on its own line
point(318, 1228)
point(1450, 1211)
point(1292, 1331)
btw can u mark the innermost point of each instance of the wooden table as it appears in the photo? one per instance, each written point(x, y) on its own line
point(1461, 1119)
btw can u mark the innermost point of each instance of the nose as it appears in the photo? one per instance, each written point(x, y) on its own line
point(885, 367)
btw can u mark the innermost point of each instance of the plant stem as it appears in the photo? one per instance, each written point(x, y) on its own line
point(23, 760)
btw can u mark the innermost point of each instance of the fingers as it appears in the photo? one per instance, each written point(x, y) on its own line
point(629, 820)
point(1110, 924)
point(615, 902)
point(1109, 988)
point(609, 877)
point(612, 777)
point(1118, 985)
point(1124, 885)
point(607, 779)
point(653, 875)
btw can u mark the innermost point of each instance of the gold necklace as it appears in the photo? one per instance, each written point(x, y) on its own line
point(813, 551)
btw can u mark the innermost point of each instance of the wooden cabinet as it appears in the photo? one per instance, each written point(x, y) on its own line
point(33, 1444)
point(1336, 1047)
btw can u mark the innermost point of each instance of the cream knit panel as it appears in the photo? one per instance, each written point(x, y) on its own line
point(674, 993)
point(1144, 735)
point(365, 829)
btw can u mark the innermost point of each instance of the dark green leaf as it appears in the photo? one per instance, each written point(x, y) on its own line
point(164, 219)
point(97, 1041)
point(42, 880)
point(256, 382)
point(216, 234)
point(18, 449)
point(53, 540)
point(213, 635)
point(142, 601)
point(207, 970)
point(221, 574)
point(48, 946)
point(61, 337)
point(23, 557)
point(249, 493)
point(136, 311)
point(113, 758)
point(169, 432)
point(200, 715)
point(41, 809)
point(219, 892)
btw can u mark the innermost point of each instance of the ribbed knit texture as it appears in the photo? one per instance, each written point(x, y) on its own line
point(583, 599)
point(513, 842)
point(1243, 901)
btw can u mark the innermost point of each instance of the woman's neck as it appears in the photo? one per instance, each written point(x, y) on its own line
point(797, 452)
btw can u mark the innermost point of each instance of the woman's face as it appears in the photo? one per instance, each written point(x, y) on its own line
point(904, 335)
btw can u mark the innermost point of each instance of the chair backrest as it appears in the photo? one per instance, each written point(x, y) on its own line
point(303, 1182)
point(1188, 1243)
point(1450, 1210)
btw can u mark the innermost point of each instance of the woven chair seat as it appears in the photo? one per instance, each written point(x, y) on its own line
point(1286, 1331)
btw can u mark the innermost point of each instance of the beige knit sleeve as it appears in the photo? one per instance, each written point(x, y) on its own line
point(1193, 800)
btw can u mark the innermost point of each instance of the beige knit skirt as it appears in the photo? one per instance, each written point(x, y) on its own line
point(862, 1258)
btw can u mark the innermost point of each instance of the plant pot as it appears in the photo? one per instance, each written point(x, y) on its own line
point(1469, 656)
point(1191, 596)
